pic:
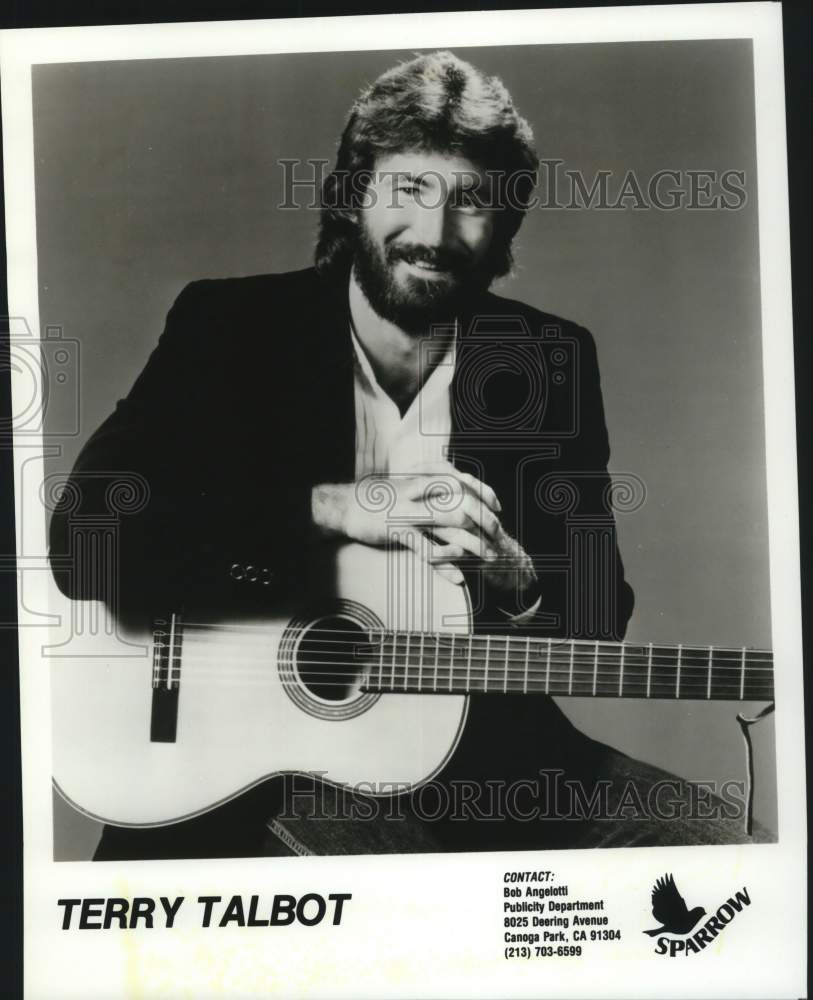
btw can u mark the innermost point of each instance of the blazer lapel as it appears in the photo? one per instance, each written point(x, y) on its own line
point(333, 405)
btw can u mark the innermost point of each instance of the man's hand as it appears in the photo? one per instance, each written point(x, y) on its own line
point(455, 515)
point(505, 564)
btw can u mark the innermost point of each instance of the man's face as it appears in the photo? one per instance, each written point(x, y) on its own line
point(424, 239)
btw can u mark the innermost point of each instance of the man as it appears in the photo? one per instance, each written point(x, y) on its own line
point(271, 401)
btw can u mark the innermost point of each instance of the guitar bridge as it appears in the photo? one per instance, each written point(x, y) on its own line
point(167, 638)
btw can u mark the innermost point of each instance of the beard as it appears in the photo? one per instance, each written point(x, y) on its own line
point(415, 303)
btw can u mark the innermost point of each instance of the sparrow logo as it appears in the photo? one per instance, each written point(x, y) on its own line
point(678, 921)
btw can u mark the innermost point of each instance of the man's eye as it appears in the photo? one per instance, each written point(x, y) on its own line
point(469, 201)
point(409, 188)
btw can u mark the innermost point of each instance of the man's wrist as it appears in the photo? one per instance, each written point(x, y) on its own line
point(329, 509)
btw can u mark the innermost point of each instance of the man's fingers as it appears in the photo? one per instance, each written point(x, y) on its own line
point(440, 483)
point(438, 561)
point(437, 556)
point(474, 485)
point(472, 511)
point(467, 514)
point(470, 541)
point(449, 571)
point(482, 490)
point(455, 507)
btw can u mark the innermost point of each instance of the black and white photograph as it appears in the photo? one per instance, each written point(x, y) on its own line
point(397, 486)
point(370, 459)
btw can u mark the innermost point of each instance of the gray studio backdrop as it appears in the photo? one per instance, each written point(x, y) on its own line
point(150, 174)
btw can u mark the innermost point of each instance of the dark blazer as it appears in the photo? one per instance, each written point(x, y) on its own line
point(247, 402)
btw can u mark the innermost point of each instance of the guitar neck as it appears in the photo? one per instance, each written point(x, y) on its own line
point(448, 663)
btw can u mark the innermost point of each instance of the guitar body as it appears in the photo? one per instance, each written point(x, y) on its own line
point(149, 731)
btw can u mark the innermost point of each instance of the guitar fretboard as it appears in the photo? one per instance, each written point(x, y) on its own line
point(448, 663)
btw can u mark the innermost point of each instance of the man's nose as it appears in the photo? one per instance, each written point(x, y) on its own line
point(433, 224)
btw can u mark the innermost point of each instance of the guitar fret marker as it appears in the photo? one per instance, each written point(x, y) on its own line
point(505, 679)
point(649, 672)
point(621, 675)
point(595, 667)
point(159, 647)
point(420, 664)
point(171, 650)
point(437, 657)
point(677, 678)
point(468, 662)
point(527, 657)
point(570, 678)
point(547, 670)
point(708, 682)
point(406, 663)
point(742, 675)
point(485, 676)
point(451, 662)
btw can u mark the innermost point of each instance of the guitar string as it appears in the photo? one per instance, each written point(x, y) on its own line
point(605, 670)
point(631, 658)
point(403, 671)
point(581, 647)
point(689, 691)
point(401, 634)
point(562, 675)
point(497, 663)
point(514, 667)
point(388, 633)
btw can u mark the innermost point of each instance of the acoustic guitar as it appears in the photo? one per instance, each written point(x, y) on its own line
point(366, 681)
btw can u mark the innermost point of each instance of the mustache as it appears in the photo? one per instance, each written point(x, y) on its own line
point(440, 258)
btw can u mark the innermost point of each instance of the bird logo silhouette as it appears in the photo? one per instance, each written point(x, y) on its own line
point(670, 908)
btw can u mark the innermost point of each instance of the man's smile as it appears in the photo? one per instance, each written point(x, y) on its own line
point(425, 269)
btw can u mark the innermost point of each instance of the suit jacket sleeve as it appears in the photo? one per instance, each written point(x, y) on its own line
point(600, 601)
point(189, 532)
point(565, 522)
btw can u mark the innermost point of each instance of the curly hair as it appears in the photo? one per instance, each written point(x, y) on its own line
point(433, 103)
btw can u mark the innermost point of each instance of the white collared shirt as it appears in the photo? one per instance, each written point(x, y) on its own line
point(388, 443)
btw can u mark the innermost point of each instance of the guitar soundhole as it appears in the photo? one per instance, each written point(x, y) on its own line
point(331, 658)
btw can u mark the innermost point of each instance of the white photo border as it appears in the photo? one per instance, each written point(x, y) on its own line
point(422, 925)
